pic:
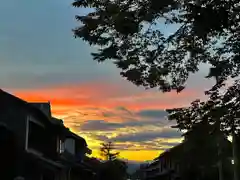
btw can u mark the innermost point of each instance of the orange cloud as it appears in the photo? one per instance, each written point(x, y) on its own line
point(103, 101)
point(107, 96)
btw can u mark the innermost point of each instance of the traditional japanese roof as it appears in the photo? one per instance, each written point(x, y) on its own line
point(9, 98)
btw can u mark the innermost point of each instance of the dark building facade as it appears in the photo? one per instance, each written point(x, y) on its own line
point(195, 157)
point(39, 142)
point(7, 153)
point(166, 166)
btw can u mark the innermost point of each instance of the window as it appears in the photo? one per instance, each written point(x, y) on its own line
point(32, 119)
point(60, 145)
point(35, 135)
point(70, 145)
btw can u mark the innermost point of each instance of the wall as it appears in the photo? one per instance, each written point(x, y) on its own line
point(14, 116)
point(7, 154)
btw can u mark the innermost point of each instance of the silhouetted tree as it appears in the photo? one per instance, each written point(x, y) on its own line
point(129, 33)
point(107, 151)
point(201, 152)
point(222, 110)
point(111, 168)
point(93, 162)
point(114, 169)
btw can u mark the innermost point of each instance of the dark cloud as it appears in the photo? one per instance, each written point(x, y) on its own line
point(128, 114)
point(136, 146)
point(170, 144)
point(148, 136)
point(108, 114)
point(121, 112)
point(152, 113)
point(127, 147)
point(101, 125)
point(121, 108)
point(100, 137)
point(159, 145)
point(150, 144)
point(143, 123)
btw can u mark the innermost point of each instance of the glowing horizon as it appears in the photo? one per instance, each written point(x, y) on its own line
point(110, 114)
point(41, 61)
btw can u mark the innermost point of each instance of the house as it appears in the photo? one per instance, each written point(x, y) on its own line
point(196, 156)
point(75, 148)
point(72, 148)
point(40, 140)
point(36, 141)
point(166, 166)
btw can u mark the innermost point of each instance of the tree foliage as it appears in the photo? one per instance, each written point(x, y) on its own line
point(205, 144)
point(222, 110)
point(202, 150)
point(115, 169)
point(107, 151)
point(107, 170)
point(129, 33)
point(112, 168)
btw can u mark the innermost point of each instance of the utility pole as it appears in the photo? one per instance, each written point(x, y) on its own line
point(219, 145)
point(234, 153)
point(220, 165)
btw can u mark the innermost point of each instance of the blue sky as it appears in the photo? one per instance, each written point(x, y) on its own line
point(41, 61)
point(37, 44)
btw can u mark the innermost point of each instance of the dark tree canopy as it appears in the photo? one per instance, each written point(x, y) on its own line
point(112, 167)
point(201, 152)
point(128, 33)
point(221, 110)
point(115, 169)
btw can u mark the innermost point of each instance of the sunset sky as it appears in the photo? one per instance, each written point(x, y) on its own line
point(41, 61)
